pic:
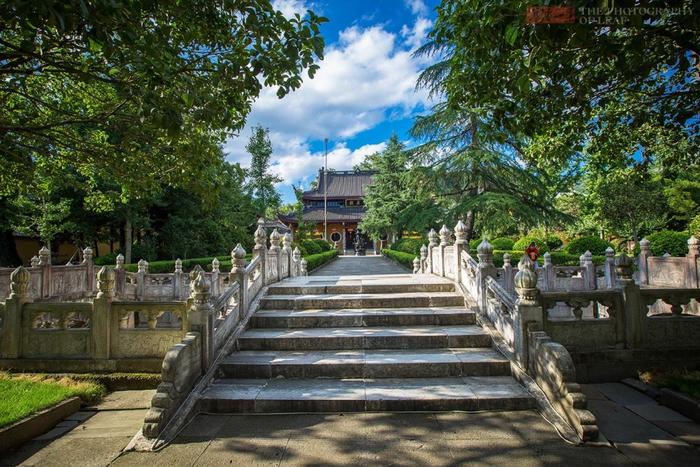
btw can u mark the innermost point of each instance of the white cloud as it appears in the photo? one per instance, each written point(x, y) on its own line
point(368, 76)
point(417, 7)
point(290, 7)
point(415, 36)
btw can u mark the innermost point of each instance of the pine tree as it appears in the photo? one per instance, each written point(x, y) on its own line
point(261, 183)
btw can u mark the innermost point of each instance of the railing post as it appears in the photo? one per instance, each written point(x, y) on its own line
point(239, 275)
point(287, 252)
point(120, 276)
point(303, 271)
point(432, 244)
point(691, 279)
point(177, 280)
point(11, 336)
point(634, 311)
point(460, 245)
point(549, 274)
point(141, 279)
point(485, 269)
point(424, 259)
point(201, 317)
point(89, 270)
point(296, 263)
point(45, 264)
point(588, 269)
point(101, 322)
point(609, 268)
point(260, 249)
point(527, 309)
point(444, 242)
point(275, 252)
point(507, 274)
point(643, 264)
point(215, 264)
point(416, 265)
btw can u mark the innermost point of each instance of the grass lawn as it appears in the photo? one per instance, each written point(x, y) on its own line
point(25, 394)
point(684, 381)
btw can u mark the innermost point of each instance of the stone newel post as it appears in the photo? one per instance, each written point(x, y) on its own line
point(691, 279)
point(549, 274)
point(527, 308)
point(460, 245)
point(201, 317)
point(45, 264)
point(609, 268)
point(303, 270)
point(287, 252)
point(11, 337)
point(485, 269)
point(120, 281)
point(275, 251)
point(444, 242)
point(177, 280)
point(101, 322)
point(296, 262)
point(643, 264)
point(588, 268)
point(424, 267)
point(432, 244)
point(89, 270)
point(507, 273)
point(141, 279)
point(416, 265)
point(239, 275)
point(260, 249)
point(631, 298)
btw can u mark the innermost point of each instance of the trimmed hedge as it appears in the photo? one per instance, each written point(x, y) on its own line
point(310, 247)
point(408, 245)
point(322, 244)
point(403, 258)
point(524, 242)
point(319, 259)
point(159, 267)
point(500, 243)
point(595, 245)
point(668, 241)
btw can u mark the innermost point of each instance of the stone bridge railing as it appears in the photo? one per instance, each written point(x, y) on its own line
point(554, 320)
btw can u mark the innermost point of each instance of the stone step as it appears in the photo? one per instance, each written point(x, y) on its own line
point(359, 395)
point(364, 300)
point(359, 288)
point(425, 363)
point(343, 317)
point(354, 338)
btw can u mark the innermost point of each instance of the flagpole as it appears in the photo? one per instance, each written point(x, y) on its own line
point(325, 192)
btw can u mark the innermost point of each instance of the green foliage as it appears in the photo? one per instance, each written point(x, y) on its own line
point(474, 242)
point(311, 247)
point(401, 257)
point(683, 197)
point(595, 245)
point(23, 395)
point(501, 243)
point(694, 226)
point(261, 182)
point(524, 242)
point(553, 242)
point(160, 267)
point(316, 260)
point(409, 245)
point(116, 381)
point(559, 258)
point(322, 244)
point(668, 241)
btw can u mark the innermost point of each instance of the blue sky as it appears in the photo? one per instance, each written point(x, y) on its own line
point(363, 92)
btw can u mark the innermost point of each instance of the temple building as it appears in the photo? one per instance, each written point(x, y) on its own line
point(345, 192)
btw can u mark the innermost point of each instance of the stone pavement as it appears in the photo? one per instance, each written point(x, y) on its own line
point(360, 266)
point(93, 436)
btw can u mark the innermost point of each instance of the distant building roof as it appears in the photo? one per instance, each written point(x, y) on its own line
point(269, 224)
point(341, 184)
point(342, 214)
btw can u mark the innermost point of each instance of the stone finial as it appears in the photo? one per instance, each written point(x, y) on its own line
point(19, 283)
point(506, 260)
point(693, 247)
point(432, 238)
point(644, 245)
point(35, 261)
point(609, 254)
point(444, 236)
point(586, 258)
point(215, 263)
point(199, 289)
point(304, 267)
point(44, 256)
point(287, 242)
point(105, 282)
point(296, 254)
point(237, 259)
point(87, 255)
point(143, 266)
point(460, 233)
point(120, 261)
point(260, 237)
point(484, 248)
point(623, 267)
point(275, 239)
point(526, 281)
point(416, 265)
point(178, 265)
point(424, 252)
point(547, 259)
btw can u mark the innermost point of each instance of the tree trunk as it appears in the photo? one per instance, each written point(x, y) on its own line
point(127, 241)
point(469, 223)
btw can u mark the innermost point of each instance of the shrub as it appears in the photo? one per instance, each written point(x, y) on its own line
point(403, 258)
point(322, 244)
point(474, 242)
point(314, 261)
point(668, 241)
point(311, 247)
point(110, 259)
point(522, 244)
point(160, 267)
point(559, 258)
point(500, 243)
point(408, 245)
point(595, 245)
point(553, 242)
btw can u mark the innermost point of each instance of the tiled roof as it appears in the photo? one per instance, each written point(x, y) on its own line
point(345, 184)
point(315, 214)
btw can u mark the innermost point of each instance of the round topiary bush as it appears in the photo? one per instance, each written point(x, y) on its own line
point(408, 245)
point(553, 242)
point(311, 247)
point(524, 242)
point(501, 243)
point(668, 241)
point(595, 245)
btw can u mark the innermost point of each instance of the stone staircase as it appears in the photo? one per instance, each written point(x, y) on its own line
point(364, 343)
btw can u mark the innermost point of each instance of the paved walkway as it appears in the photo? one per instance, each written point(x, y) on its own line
point(360, 266)
point(93, 436)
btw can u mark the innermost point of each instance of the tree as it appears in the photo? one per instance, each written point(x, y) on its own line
point(388, 194)
point(261, 183)
point(572, 86)
point(142, 92)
